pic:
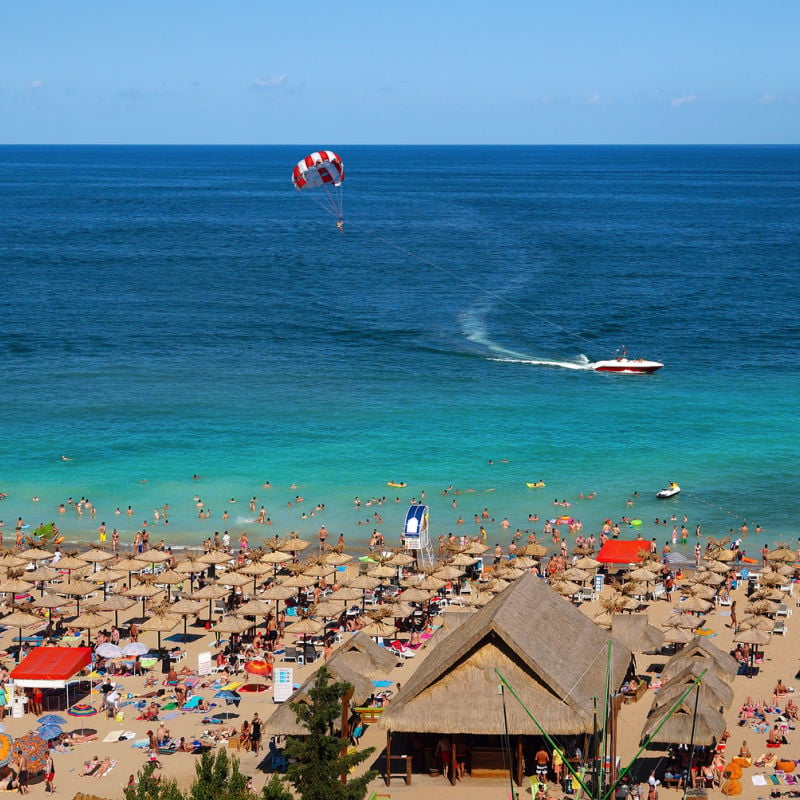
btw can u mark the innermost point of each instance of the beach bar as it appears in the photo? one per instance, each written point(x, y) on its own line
point(553, 657)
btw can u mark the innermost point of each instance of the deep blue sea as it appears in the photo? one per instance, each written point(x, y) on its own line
point(177, 311)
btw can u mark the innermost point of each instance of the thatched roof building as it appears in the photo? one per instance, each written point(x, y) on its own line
point(700, 650)
point(636, 633)
point(361, 654)
point(282, 722)
point(713, 689)
point(549, 652)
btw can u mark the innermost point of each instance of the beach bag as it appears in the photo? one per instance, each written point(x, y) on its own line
point(784, 765)
point(119, 716)
point(731, 787)
point(732, 771)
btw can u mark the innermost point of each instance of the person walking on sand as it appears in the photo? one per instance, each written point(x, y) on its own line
point(255, 734)
point(734, 622)
point(49, 772)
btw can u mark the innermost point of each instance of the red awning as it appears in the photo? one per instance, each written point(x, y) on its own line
point(617, 551)
point(51, 666)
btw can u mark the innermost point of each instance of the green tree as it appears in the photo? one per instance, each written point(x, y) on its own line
point(218, 778)
point(148, 788)
point(318, 762)
point(276, 789)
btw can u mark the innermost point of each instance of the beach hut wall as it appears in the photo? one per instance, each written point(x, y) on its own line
point(555, 683)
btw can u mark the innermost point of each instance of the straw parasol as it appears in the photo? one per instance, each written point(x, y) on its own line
point(40, 574)
point(161, 621)
point(35, 554)
point(293, 544)
point(50, 600)
point(327, 609)
point(696, 605)
point(678, 636)
point(210, 592)
point(752, 636)
point(385, 571)
point(11, 560)
point(305, 626)
point(412, 595)
point(497, 585)
point(402, 559)
point(299, 581)
point(186, 608)
point(235, 625)
point(757, 621)
point(685, 621)
point(379, 628)
point(587, 562)
point(277, 557)
point(508, 573)
point(477, 599)
point(762, 608)
point(478, 549)
point(14, 585)
point(21, 619)
point(105, 576)
point(564, 587)
point(143, 592)
point(773, 578)
point(215, 557)
point(533, 550)
point(701, 590)
point(116, 603)
point(76, 589)
point(90, 619)
point(96, 556)
point(366, 583)
point(783, 554)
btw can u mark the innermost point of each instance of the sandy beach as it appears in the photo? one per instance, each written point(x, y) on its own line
point(779, 663)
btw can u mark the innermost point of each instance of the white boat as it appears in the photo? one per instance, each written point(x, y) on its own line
point(627, 365)
point(669, 491)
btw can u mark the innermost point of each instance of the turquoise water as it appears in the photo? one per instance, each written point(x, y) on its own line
point(180, 311)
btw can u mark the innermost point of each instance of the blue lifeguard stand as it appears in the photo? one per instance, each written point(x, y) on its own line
point(416, 536)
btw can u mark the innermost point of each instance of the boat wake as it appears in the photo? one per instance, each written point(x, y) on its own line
point(582, 363)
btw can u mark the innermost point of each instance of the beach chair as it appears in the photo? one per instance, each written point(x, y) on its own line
point(780, 627)
point(291, 653)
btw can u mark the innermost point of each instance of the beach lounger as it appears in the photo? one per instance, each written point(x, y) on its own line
point(780, 627)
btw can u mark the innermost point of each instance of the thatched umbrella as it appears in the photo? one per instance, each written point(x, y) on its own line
point(720, 554)
point(299, 581)
point(15, 585)
point(497, 585)
point(143, 592)
point(294, 544)
point(327, 609)
point(40, 575)
point(186, 608)
point(235, 625)
point(277, 557)
point(380, 629)
point(117, 603)
point(49, 600)
point(757, 621)
point(256, 570)
point(161, 621)
point(478, 599)
point(76, 589)
point(678, 636)
point(715, 565)
point(696, 605)
point(255, 607)
point(20, 619)
point(685, 621)
point(752, 636)
point(191, 566)
point(11, 560)
point(587, 562)
point(404, 559)
point(35, 554)
point(96, 556)
point(768, 593)
point(508, 572)
point(210, 592)
point(215, 558)
point(533, 550)
point(564, 587)
point(478, 549)
point(709, 578)
point(305, 626)
point(106, 576)
point(153, 557)
point(384, 571)
point(782, 554)
point(773, 578)
point(429, 582)
point(321, 570)
point(413, 595)
point(90, 619)
point(169, 578)
point(762, 608)
point(702, 590)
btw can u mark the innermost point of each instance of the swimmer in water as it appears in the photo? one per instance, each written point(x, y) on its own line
point(65, 458)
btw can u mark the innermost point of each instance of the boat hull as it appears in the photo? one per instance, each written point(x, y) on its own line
point(631, 366)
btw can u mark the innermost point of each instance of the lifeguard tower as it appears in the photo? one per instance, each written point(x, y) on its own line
point(416, 536)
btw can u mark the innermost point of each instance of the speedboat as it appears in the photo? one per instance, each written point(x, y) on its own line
point(669, 491)
point(627, 365)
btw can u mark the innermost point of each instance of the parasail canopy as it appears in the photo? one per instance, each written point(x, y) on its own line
point(321, 174)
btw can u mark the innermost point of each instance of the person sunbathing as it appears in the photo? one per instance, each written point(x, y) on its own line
point(104, 766)
point(184, 746)
point(791, 711)
point(780, 689)
point(91, 767)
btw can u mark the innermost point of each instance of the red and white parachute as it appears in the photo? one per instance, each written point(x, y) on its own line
point(321, 174)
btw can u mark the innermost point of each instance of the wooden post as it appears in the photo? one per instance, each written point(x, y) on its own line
point(452, 774)
point(520, 761)
point(388, 778)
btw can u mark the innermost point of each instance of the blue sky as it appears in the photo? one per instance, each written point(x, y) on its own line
point(358, 72)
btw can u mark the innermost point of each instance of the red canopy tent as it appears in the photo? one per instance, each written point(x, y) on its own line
point(50, 667)
point(619, 551)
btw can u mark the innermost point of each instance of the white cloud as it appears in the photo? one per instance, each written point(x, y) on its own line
point(36, 84)
point(677, 102)
point(594, 99)
point(265, 83)
point(767, 98)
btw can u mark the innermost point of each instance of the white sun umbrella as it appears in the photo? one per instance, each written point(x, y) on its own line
point(109, 650)
point(135, 649)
